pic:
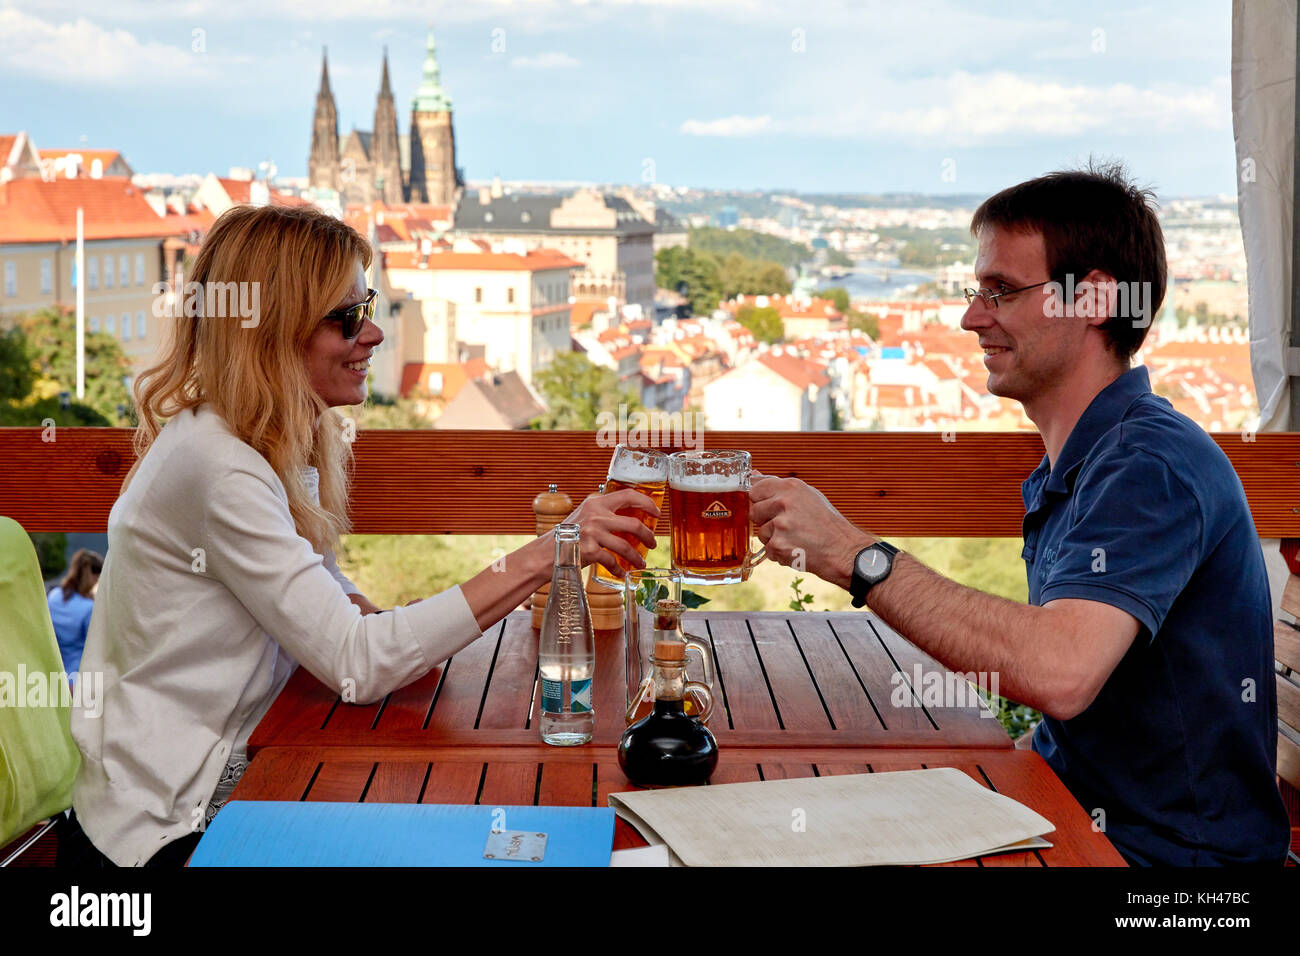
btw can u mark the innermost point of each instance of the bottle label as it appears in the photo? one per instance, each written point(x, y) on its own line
point(579, 696)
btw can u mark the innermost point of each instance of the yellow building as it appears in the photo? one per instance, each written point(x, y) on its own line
point(125, 255)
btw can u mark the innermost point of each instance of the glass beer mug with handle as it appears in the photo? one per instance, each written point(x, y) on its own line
point(644, 470)
point(653, 612)
point(708, 495)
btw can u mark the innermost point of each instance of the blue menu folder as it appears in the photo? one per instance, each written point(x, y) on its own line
point(274, 833)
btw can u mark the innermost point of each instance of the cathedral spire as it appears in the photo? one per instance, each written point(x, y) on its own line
point(384, 88)
point(431, 97)
point(324, 72)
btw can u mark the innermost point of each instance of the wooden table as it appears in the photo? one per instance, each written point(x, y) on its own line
point(784, 680)
point(537, 775)
point(798, 694)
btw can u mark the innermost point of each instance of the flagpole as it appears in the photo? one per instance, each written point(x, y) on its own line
point(81, 305)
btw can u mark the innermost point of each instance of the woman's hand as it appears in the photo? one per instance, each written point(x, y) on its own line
point(609, 526)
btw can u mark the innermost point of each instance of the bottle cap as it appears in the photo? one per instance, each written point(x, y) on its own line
point(668, 614)
point(670, 650)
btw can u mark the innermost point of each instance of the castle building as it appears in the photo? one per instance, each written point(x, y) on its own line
point(380, 164)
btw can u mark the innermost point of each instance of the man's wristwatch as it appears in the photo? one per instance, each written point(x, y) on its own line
point(871, 566)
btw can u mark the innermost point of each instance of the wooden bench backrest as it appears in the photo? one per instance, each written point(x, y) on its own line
point(1286, 650)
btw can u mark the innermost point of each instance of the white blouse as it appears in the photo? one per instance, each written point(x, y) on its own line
point(209, 598)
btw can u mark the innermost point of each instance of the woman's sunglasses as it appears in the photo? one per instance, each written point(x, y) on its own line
point(354, 317)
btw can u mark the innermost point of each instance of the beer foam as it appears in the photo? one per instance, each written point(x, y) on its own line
point(632, 472)
point(711, 483)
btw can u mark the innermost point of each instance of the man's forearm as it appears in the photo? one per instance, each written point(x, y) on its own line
point(968, 630)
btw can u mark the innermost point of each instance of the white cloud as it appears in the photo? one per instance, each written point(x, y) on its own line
point(544, 61)
point(967, 109)
point(81, 51)
point(729, 126)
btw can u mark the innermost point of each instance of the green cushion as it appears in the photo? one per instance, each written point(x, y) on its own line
point(38, 758)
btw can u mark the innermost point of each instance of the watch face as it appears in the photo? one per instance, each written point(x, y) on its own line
point(872, 564)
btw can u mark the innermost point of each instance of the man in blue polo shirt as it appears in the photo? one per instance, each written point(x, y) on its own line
point(1147, 643)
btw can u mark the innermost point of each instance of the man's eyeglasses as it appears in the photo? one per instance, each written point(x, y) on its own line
point(991, 298)
point(354, 317)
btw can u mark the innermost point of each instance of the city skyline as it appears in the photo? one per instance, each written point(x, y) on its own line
point(742, 95)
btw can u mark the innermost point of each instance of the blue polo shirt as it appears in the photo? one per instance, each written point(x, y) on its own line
point(1145, 513)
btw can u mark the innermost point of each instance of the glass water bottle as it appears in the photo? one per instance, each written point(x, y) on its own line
point(566, 654)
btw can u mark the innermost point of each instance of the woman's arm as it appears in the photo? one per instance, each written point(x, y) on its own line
point(496, 591)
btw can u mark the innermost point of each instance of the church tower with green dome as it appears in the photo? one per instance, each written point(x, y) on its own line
point(433, 176)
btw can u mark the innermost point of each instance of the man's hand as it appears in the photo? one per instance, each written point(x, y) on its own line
point(801, 528)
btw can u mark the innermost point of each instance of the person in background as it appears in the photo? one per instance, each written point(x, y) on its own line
point(71, 604)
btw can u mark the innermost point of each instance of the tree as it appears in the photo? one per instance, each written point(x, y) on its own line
point(25, 399)
point(52, 343)
point(576, 391)
point(863, 322)
point(765, 323)
point(837, 294)
point(678, 264)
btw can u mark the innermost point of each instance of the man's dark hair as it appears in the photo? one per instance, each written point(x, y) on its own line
point(1091, 218)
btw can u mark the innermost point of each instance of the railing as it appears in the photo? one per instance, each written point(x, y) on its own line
point(483, 482)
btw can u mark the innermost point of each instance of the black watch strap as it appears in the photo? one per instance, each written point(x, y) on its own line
point(859, 586)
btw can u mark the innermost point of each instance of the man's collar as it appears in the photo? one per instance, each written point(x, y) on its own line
point(1101, 415)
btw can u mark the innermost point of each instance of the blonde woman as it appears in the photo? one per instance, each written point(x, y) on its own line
point(220, 577)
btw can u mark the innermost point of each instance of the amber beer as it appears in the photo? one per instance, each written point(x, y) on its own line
point(708, 495)
point(643, 470)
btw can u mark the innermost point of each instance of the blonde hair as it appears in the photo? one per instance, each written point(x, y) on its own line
point(303, 261)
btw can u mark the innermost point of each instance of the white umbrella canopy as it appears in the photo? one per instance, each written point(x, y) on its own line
point(1265, 39)
point(1264, 121)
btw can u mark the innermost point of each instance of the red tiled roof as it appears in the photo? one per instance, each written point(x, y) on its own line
point(6, 147)
point(534, 261)
point(581, 313)
point(454, 375)
point(239, 190)
point(32, 210)
point(798, 371)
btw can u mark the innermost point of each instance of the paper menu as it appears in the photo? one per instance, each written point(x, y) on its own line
point(878, 819)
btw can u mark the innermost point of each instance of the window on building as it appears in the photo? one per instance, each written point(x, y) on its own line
point(123, 271)
point(478, 293)
point(510, 295)
point(110, 325)
point(126, 326)
point(47, 276)
point(140, 328)
point(139, 268)
point(108, 272)
point(94, 323)
point(92, 273)
point(11, 278)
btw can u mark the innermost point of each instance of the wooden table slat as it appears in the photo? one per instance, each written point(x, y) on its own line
point(510, 695)
point(744, 689)
point(842, 692)
point(797, 695)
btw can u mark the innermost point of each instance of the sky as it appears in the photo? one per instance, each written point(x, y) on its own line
point(927, 96)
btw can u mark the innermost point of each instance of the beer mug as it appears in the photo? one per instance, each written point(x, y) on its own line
point(644, 470)
point(652, 605)
point(708, 494)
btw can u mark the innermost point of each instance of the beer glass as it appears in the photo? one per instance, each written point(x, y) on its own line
point(708, 494)
point(644, 470)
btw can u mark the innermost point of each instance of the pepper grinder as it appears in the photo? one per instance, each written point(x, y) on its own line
point(549, 508)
